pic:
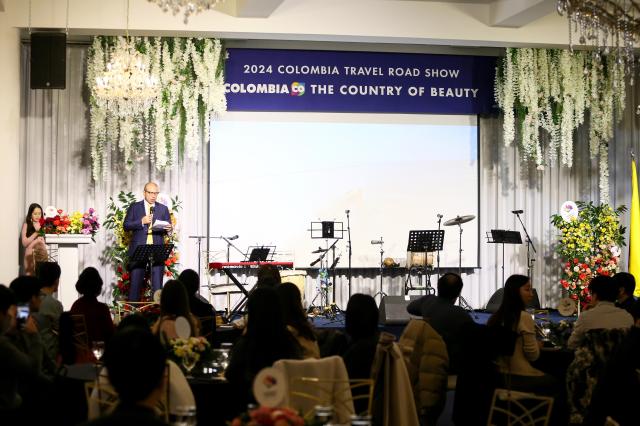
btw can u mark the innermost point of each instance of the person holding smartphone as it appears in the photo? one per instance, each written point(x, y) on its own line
point(27, 337)
point(22, 385)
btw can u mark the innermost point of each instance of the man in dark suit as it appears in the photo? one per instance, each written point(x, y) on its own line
point(139, 220)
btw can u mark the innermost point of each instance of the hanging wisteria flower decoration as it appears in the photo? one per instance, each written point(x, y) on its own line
point(552, 90)
point(190, 75)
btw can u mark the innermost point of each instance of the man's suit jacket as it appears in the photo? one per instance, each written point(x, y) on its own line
point(133, 222)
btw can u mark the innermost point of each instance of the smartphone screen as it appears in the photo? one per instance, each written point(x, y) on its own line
point(22, 315)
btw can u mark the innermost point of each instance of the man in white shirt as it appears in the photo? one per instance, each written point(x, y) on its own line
point(602, 312)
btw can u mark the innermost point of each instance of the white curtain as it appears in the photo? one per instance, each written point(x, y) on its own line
point(55, 170)
point(56, 165)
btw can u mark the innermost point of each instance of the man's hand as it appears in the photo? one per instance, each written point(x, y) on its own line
point(147, 219)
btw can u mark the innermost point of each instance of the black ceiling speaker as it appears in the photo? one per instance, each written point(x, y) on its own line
point(48, 60)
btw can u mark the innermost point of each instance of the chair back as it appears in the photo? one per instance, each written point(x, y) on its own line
point(594, 348)
point(307, 392)
point(519, 409)
point(102, 398)
point(320, 381)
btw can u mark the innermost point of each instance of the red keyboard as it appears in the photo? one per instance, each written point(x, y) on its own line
point(221, 265)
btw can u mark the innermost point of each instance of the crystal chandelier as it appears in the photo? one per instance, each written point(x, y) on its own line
point(609, 26)
point(190, 6)
point(126, 87)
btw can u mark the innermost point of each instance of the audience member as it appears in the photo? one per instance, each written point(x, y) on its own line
point(97, 315)
point(602, 313)
point(445, 317)
point(27, 338)
point(265, 341)
point(22, 387)
point(296, 319)
point(199, 306)
point(180, 394)
point(135, 362)
point(48, 315)
point(174, 303)
point(268, 276)
point(361, 326)
point(618, 387)
point(626, 286)
point(32, 241)
point(512, 317)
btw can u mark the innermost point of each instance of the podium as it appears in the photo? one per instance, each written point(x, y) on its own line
point(63, 249)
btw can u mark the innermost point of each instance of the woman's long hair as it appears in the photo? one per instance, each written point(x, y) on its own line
point(361, 317)
point(508, 314)
point(294, 315)
point(174, 302)
point(27, 219)
point(268, 339)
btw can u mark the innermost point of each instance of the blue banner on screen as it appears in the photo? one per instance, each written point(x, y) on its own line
point(327, 81)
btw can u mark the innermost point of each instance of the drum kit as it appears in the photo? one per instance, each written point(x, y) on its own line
point(422, 259)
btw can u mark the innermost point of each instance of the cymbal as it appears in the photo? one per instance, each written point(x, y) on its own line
point(459, 220)
point(320, 250)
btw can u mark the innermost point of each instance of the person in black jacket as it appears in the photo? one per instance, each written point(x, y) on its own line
point(199, 306)
point(445, 317)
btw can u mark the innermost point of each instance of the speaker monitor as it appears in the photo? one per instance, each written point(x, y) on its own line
point(496, 300)
point(393, 309)
point(48, 60)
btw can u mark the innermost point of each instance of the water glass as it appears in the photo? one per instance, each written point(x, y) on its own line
point(184, 415)
point(323, 414)
point(188, 362)
point(97, 347)
point(357, 420)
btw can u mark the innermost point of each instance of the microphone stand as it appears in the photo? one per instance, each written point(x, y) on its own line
point(230, 244)
point(199, 242)
point(349, 248)
point(438, 254)
point(530, 246)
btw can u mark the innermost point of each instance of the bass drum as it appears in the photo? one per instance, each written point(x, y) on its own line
point(299, 278)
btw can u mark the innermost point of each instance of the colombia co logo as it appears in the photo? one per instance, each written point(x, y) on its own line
point(297, 88)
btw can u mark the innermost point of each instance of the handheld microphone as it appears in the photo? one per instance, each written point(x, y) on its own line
point(439, 216)
point(376, 241)
point(517, 211)
point(235, 237)
point(347, 211)
point(151, 209)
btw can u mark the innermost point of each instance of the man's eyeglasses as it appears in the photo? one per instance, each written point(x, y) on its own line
point(152, 193)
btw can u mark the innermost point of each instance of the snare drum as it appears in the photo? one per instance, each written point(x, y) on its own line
point(297, 277)
point(419, 259)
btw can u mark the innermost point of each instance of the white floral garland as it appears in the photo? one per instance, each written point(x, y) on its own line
point(191, 80)
point(553, 89)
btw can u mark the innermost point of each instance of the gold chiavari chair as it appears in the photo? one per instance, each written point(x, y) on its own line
point(307, 392)
point(102, 398)
point(514, 408)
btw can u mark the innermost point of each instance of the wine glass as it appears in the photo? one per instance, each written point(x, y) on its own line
point(189, 361)
point(97, 347)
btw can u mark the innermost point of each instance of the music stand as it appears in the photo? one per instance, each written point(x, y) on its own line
point(327, 229)
point(423, 241)
point(148, 255)
point(260, 253)
point(501, 236)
